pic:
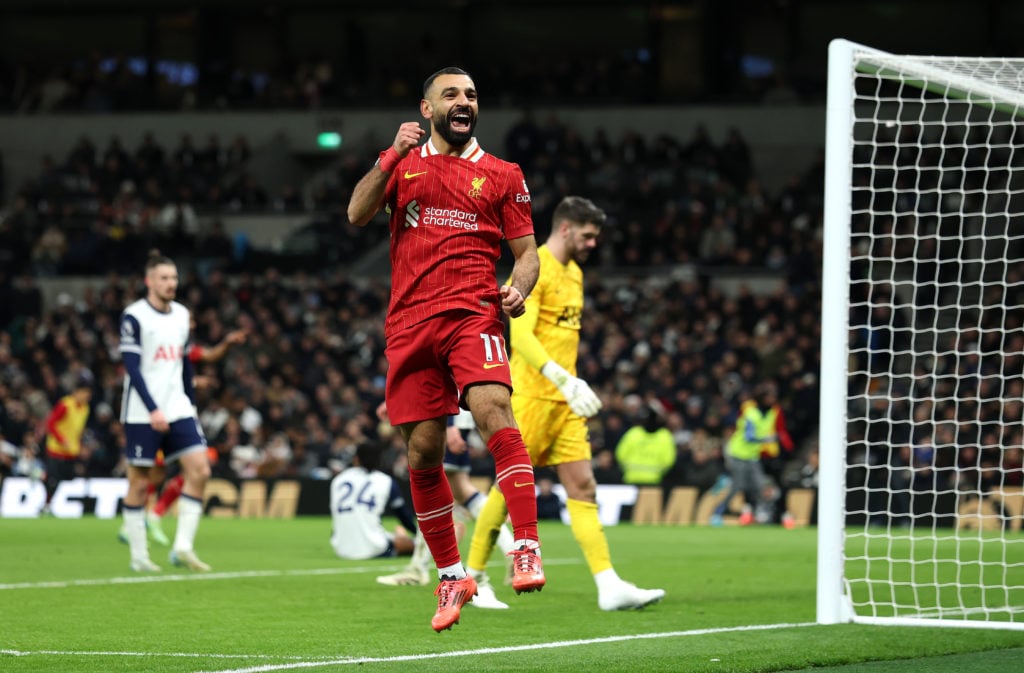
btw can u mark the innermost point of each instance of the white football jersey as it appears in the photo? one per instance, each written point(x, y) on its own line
point(358, 500)
point(161, 341)
point(464, 420)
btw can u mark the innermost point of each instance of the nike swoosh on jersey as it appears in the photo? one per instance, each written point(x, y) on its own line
point(518, 485)
point(409, 176)
point(492, 365)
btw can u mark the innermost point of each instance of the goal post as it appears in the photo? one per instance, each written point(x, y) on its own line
point(922, 353)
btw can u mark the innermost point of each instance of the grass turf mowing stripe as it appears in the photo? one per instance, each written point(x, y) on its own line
point(241, 574)
point(505, 650)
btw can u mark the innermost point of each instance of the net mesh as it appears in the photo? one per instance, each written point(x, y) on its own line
point(936, 341)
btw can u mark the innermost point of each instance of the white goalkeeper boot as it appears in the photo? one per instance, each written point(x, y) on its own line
point(485, 597)
point(629, 597)
point(614, 593)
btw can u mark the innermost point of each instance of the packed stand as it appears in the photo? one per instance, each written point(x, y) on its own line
point(298, 396)
point(99, 210)
point(936, 381)
point(670, 201)
point(110, 84)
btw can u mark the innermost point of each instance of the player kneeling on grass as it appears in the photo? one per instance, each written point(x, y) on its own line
point(360, 496)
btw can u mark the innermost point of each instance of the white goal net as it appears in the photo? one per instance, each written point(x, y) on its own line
point(923, 341)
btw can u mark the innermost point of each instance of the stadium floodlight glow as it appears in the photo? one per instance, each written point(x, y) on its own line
point(919, 513)
point(328, 140)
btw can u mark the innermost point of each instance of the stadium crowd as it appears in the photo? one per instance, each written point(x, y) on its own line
point(300, 394)
point(103, 83)
point(672, 200)
point(936, 372)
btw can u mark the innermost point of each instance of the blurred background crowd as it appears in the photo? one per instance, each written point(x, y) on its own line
point(707, 281)
point(296, 398)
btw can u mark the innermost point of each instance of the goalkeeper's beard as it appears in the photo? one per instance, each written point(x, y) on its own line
point(580, 256)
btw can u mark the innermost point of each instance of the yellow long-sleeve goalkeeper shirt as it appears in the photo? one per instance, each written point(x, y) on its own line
point(550, 328)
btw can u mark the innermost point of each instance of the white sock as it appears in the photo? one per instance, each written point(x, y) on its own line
point(456, 571)
point(505, 542)
point(190, 510)
point(529, 544)
point(606, 580)
point(135, 529)
point(421, 556)
point(462, 515)
point(475, 503)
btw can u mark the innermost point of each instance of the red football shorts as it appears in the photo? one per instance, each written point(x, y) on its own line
point(433, 362)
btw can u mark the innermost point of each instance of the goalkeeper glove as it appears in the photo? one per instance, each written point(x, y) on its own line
point(577, 393)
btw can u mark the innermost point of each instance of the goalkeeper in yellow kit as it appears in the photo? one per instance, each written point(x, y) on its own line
point(551, 404)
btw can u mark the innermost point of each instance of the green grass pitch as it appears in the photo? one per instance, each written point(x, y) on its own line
point(279, 600)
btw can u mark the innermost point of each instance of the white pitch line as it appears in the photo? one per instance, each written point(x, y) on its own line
point(189, 577)
point(149, 579)
point(151, 655)
point(504, 650)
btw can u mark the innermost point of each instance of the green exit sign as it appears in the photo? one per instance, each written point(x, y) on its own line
point(328, 140)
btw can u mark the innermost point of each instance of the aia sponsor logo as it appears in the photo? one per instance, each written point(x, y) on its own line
point(168, 353)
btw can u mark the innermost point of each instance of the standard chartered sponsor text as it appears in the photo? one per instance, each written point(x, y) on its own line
point(449, 217)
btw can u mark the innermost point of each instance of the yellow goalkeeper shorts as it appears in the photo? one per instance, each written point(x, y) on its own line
point(553, 434)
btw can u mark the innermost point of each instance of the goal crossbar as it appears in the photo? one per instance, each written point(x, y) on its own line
point(922, 74)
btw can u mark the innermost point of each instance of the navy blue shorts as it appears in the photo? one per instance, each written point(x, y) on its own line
point(457, 462)
point(142, 442)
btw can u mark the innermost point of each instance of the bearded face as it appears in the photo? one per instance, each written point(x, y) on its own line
point(451, 105)
point(456, 125)
point(582, 241)
point(162, 282)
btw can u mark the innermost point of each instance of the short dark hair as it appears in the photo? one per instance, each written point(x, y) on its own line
point(580, 210)
point(156, 258)
point(450, 70)
point(369, 454)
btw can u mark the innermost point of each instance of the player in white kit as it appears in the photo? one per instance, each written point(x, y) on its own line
point(158, 412)
point(360, 495)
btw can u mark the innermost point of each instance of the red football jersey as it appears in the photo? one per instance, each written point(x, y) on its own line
point(448, 217)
